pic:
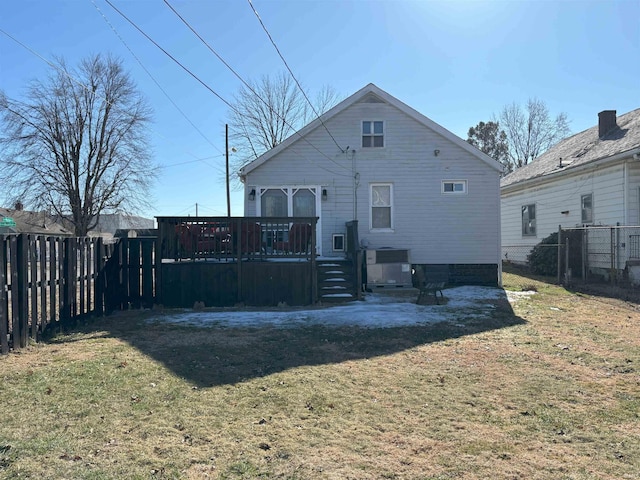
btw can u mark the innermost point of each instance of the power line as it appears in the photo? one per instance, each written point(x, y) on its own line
point(296, 132)
point(78, 82)
point(153, 78)
point(292, 75)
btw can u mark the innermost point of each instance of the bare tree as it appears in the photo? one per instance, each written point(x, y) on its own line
point(268, 112)
point(77, 145)
point(531, 131)
point(490, 139)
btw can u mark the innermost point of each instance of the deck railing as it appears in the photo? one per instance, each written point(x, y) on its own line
point(236, 238)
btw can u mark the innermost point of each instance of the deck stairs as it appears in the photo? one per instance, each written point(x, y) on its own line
point(336, 281)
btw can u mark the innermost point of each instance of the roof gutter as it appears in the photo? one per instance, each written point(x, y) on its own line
point(631, 154)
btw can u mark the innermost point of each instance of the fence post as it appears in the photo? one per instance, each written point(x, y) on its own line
point(585, 269)
point(42, 242)
point(133, 272)
point(4, 317)
point(32, 245)
point(20, 335)
point(147, 272)
point(65, 280)
point(559, 279)
point(98, 285)
point(159, 252)
point(566, 264)
point(237, 246)
point(613, 258)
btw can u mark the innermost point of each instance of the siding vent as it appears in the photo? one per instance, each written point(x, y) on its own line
point(371, 98)
point(606, 122)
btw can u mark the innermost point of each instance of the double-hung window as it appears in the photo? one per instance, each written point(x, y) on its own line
point(586, 206)
point(381, 198)
point(372, 134)
point(529, 221)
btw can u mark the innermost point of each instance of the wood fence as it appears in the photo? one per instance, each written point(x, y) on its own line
point(49, 280)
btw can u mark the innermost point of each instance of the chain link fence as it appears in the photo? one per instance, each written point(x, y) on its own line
point(587, 254)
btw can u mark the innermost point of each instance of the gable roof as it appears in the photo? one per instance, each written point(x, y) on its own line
point(372, 94)
point(582, 148)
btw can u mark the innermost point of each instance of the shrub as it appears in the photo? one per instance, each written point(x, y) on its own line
point(543, 259)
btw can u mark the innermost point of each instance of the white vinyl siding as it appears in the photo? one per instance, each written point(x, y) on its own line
point(559, 203)
point(436, 228)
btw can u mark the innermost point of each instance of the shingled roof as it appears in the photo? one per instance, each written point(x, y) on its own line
point(31, 222)
point(583, 148)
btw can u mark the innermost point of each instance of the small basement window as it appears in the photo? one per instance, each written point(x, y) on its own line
point(454, 186)
point(338, 242)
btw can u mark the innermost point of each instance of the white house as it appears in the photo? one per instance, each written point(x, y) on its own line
point(589, 179)
point(411, 185)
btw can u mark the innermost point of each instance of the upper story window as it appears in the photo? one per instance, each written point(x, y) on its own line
point(586, 206)
point(529, 220)
point(454, 186)
point(372, 134)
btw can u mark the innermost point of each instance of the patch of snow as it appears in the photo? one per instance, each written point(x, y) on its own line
point(375, 311)
point(513, 297)
point(335, 280)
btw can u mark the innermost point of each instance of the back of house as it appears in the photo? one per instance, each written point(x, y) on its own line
point(420, 195)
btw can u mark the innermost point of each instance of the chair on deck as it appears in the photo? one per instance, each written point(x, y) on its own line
point(299, 239)
point(250, 238)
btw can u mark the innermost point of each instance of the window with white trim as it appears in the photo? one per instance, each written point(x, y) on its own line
point(372, 134)
point(529, 220)
point(288, 201)
point(381, 206)
point(586, 207)
point(454, 186)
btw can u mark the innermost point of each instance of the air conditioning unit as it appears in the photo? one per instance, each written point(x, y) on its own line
point(388, 267)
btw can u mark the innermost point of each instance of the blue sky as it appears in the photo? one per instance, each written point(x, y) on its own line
point(456, 62)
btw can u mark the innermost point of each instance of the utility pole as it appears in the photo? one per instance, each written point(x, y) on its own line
point(196, 209)
point(226, 149)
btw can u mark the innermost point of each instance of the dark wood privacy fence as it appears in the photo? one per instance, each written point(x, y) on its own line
point(49, 280)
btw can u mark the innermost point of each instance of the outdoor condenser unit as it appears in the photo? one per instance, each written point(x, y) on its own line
point(388, 267)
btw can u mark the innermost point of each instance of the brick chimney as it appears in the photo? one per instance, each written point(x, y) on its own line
point(606, 122)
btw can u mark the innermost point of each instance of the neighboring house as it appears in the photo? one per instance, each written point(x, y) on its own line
point(120, 225)
point(411, 184)
point(17, 220)
point(589, 179)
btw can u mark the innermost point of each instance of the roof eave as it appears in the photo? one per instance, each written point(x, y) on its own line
point(347, 102)
point(619, 157)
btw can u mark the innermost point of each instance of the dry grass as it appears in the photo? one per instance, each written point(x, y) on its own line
point(547, 391)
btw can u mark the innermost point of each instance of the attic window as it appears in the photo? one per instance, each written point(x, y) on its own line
point(372, 134)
